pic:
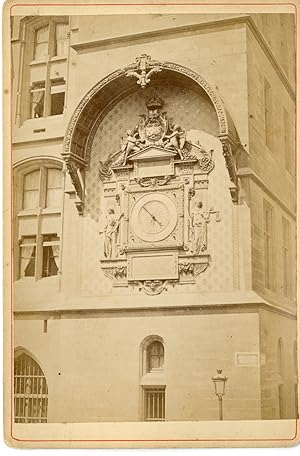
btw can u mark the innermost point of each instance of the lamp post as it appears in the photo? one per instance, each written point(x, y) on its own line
point(219, 383)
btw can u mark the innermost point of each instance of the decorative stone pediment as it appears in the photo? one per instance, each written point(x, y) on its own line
point(152, 153)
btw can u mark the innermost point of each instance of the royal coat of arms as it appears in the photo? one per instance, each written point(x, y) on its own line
point(153, 127)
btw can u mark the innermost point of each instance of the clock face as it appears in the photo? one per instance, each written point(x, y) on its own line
point(153, 217)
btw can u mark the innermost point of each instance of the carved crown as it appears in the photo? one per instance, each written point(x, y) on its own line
point(154, 102)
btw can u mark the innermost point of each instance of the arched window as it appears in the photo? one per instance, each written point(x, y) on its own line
point(155, 356)
point(42, 188)
point(30, 390)
point(38, 205)
point(153, 381)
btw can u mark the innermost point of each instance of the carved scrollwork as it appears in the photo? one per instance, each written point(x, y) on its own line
point(142, 69)
point(229, 159)
point(206, 163)
point(200, 267)
point(104, 170)
point(116, 272)
point(186, 268)
point(120, 272)
point(109, 273)
point(153, 181)
point(152, 287)
point(72, 170)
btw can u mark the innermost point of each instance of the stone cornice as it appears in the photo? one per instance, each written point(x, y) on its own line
point(248, 172)
point(81, 46)
point(253, 307)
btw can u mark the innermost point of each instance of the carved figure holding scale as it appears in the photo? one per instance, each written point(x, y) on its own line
point(198, 222)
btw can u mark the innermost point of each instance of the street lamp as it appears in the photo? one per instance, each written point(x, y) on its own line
point(219, 382)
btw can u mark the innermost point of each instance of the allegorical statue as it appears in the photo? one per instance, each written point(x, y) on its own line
point(176, 139)
point(198, 226)
point(130, 144)
point(110, 232)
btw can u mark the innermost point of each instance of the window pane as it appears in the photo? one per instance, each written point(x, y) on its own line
point(27, 256)
point(31, 190)
point(57, 103)
point(155, 355)
point(37, 103)
point(54, 194)
point(50, 255)
point(61, 39)
point(41, 43)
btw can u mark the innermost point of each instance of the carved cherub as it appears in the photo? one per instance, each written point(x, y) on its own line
point(176, 139)
point(130, 144)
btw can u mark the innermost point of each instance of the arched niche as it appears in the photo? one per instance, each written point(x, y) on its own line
point(97, 103)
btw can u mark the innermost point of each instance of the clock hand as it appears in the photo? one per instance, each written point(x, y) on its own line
point(152, 216)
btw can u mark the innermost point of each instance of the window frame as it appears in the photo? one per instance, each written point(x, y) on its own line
point(51, 22)
point(46, 65)
point(268, 239)
point(37, 215)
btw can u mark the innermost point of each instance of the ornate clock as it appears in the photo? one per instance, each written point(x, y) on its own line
point(155, 230)
point(153, 217)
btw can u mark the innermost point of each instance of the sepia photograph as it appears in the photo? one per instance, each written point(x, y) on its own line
point(151, 227)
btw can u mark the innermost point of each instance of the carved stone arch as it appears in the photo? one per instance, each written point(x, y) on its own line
point(107, 92)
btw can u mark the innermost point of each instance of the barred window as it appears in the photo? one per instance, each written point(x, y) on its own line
point(30, 391)
point(154, 406)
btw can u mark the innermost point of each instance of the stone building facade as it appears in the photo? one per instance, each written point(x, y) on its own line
point(154, 217)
